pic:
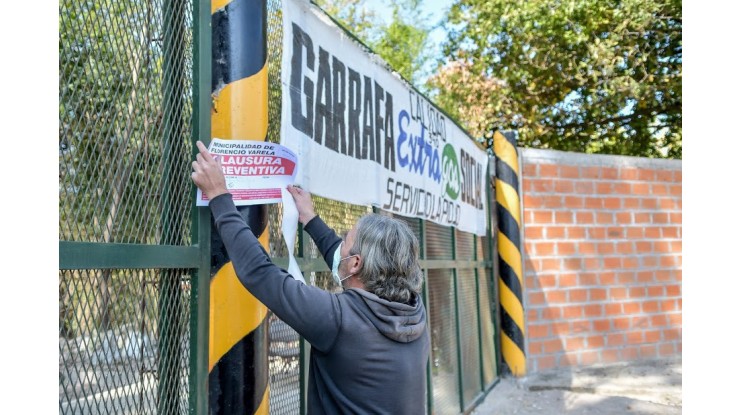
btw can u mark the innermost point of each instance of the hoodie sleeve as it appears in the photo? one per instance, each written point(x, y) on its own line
point(325, 238)
point(314, 313)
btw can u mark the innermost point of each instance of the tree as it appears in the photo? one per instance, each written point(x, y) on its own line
point(595, 76)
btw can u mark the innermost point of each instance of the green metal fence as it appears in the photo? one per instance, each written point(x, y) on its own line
point(134, 94)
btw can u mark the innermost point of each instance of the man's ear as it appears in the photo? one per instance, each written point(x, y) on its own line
point(355, 265)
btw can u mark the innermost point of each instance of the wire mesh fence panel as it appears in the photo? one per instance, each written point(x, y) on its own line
point(486, 309)
point(445, 370)
point(438, 241)
point(123, 341)
point(469, 342)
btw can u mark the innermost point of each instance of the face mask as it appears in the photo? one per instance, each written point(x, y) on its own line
point(335, 265)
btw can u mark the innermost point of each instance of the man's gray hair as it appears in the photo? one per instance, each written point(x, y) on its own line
point(390, 255)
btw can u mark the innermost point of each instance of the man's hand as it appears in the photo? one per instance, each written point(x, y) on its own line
point(303, 203)
point(207, 173)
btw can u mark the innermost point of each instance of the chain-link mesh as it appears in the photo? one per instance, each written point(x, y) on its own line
point(125, 109)
point(123, 341)
point(445, 383)
point(124, 120)
point(469, 341)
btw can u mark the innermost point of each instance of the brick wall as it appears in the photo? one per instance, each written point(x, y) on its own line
point(602, 258)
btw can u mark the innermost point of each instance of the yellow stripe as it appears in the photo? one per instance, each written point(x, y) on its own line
point(510, 253)
point(508, 197)
point(218, 4)
point(505, 151)
point(264, 408)
point(513, 356)
point(512, 305)
point(234, 313)
point(239, 110)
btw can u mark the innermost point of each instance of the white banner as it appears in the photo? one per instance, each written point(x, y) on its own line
point(364, 136)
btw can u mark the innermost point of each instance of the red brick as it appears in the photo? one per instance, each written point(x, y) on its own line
point(613, 309)
point(573, 202)
point(570, 172)
point(554, 232)
point(640, 189)
point(601, 325)
point(594, 310)
point(533, 232)
point(624, 218)
point(625, 248)
point(548, 170)
point(564, 186)
point(615, 232)
point(622, 323)
point(594, 342)
point(630, 262)
point(649, 203)
point(544, 248)
point(552, 201)
point(643, 247)
point(566, 248)
point(646, 174)
point(536, 298)
point(569, 359)
point(592, 263)
point(617, 293)
point(676, 247)
point(652, 232)
point(630, 202)
point(669, 305)
point(560, 329)
point(572, 311)
point(668, 261)
point(676, 218)
point(573, 264)
point(597, 233)
point(612, 203)
point(613, 262)
point(547, 281)
point(597, 294)
point(555, 297)
point(667, 204)
point(527, 186)
point(584, 187)
point(660, 218)
point(542, 216)
point(552, 346)
point(567, 280)
point(650, 307)
point(532, 314)
point(658, 320)
point(629, 353)
point(622, 188)
point(588, 279)
point(642, 217)
point(659, 189)
point(604, 188)
point(535, 347)
point(666, 349)
point(578, 295)
point(649, 261)
point(594, 202)
point(637, 292)
point(655, 291)
point(609, 173)
point(538, 330)
point(652, 336)
point(628, 173)
point(675, 319)
point(662, 247)
point(631, 308)
point(677, 176)
point(626, 277)
point(672, 334)
point(551, 313)
point(616, 339)
point(532, 201)
point(673, 290)
point(675, 190)
point(634, 232)
point(564, 217)
point(574, 343)
point(610, 355)
point(590, 172)
point(541, 186)
point(545, 362)
point(589, 357)
point(635, 337)
point(607, 278)
point(550, 264)
point(529, 170)
point(584, 218)
point(648, 351)
point(665, 175)
point(586, 248)
point(576, 232)
point(604, 218)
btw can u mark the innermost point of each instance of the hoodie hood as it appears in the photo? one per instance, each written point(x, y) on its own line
point(403, 323)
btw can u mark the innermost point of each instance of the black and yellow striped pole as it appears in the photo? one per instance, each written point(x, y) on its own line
point(508, 208)
point(238, 343)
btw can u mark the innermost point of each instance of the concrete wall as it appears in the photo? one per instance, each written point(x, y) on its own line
point(602, 258)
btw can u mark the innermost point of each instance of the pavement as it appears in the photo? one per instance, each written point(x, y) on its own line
point(651, 387)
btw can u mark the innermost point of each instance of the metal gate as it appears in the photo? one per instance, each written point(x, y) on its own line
point(134, 95)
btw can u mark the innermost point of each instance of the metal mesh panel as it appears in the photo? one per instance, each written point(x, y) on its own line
point(444, 344)
point(124, 121)
point(487, 307)
point(464, 246)
point(438, 241)
point(123, 341)
point(470, 353)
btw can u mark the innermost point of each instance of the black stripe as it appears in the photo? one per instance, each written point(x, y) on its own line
point(255, 216)
point(234, 387)
point(239, 44)
point(508, 276)
point(506, 174)
point(511, 329)
point(510, 136)
point(507, 224)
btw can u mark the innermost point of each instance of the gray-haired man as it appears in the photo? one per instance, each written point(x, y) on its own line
point(370, 343)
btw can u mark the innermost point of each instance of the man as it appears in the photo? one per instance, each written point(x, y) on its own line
point(370, 343)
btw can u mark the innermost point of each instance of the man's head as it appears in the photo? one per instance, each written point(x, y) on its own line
point(386, 257)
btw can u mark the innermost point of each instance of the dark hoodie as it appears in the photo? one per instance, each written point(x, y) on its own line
point(368, 355)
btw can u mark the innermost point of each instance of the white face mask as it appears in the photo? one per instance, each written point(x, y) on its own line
point(335, 265)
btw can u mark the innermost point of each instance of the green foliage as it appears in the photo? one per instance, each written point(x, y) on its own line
point(595, 76)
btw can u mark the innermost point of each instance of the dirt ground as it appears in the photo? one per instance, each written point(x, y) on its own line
point(643, 388)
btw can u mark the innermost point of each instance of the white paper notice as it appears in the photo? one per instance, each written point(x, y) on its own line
point(255, 171)
point(290, 230)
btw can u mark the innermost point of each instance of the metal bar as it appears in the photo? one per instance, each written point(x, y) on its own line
point(477, 315)
point(91, 255)
point(200, 284)
point(458, 334)
point(425, 293)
